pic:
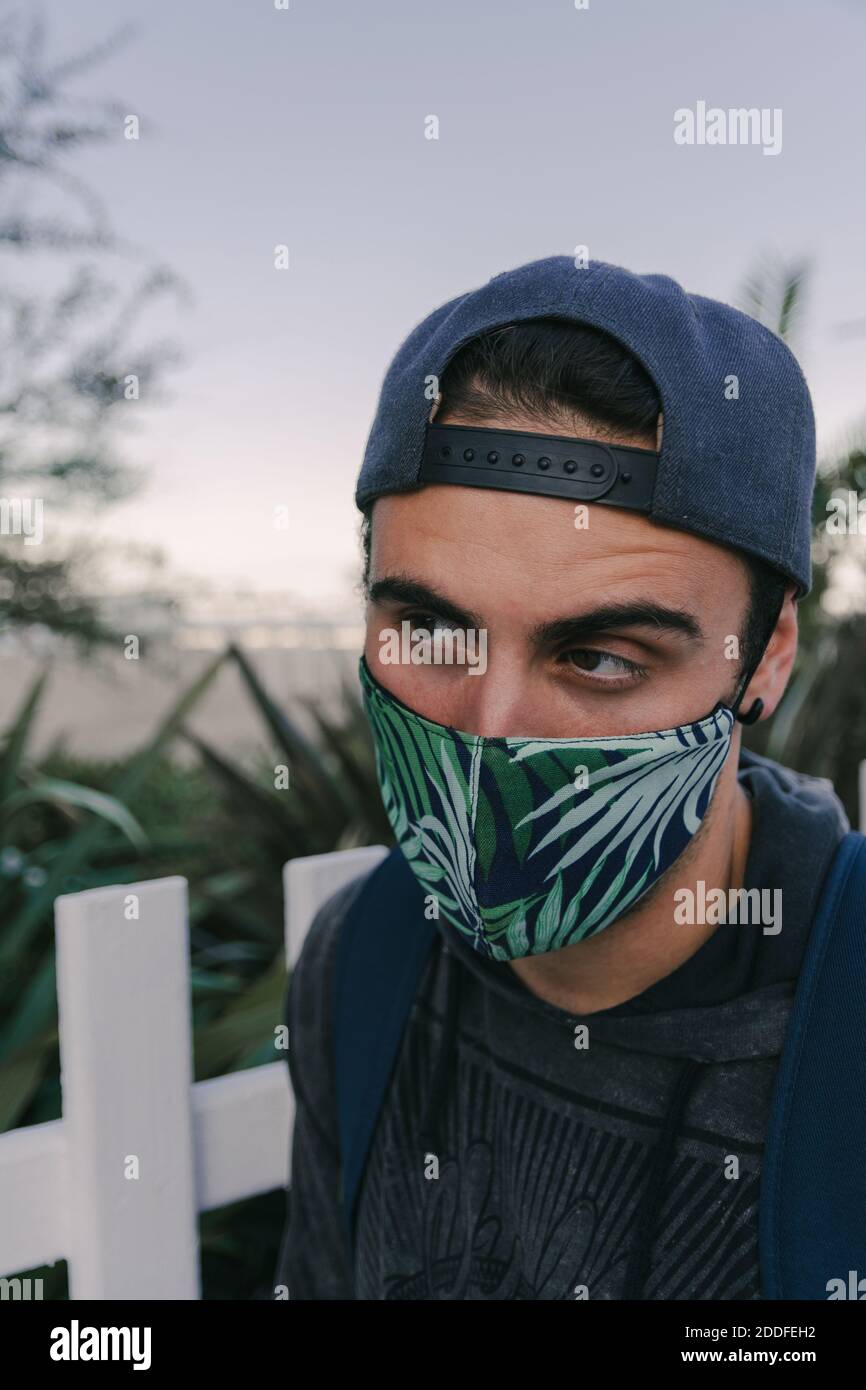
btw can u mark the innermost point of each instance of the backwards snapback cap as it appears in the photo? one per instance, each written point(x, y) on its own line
point(737, 458)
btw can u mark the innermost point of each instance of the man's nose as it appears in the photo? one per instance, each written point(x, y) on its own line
point(495, 704)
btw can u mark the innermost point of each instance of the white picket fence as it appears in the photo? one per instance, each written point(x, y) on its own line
point(116, 1185)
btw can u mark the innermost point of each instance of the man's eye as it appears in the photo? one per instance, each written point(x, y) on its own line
point(598, 663)
point(427, 621)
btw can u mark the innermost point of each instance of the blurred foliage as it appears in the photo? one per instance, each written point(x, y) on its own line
point(827, 684)
point(48, 592)
point(820, 725)
point(67, 349)
point(774, 293)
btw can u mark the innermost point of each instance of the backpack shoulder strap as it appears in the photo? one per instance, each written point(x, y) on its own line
point(812, 1218)
point(382, 948)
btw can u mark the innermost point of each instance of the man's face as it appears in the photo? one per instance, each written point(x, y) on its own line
point(619, 626)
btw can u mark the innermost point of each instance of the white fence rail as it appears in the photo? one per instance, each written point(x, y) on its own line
point(116, 1185)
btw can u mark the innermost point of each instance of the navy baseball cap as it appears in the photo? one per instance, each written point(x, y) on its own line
point(737, 457)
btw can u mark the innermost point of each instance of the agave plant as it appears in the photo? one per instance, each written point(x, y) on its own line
point(54, 834)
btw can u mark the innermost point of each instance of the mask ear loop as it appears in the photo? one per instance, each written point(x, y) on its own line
point(756, 709)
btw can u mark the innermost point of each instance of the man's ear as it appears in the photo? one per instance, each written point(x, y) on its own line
point(771, 678)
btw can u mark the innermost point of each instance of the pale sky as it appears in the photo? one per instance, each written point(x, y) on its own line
point(306, 127)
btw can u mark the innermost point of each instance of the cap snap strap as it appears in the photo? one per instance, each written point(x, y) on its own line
point(585, 470)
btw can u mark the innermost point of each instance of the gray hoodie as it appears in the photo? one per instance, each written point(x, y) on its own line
point(517, 1157)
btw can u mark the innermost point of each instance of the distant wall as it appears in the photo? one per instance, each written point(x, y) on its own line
point(108, 706)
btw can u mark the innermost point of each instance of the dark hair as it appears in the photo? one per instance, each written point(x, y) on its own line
point(550, 370)
point(560, 372)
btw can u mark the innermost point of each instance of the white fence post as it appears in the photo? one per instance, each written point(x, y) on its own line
point(116, 1184)
point(308, 881)
point(123, 993)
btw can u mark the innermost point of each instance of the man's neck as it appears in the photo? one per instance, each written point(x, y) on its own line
point(648, 944)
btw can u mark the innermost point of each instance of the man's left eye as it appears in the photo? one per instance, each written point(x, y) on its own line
point(600, 663)
point(427, 621)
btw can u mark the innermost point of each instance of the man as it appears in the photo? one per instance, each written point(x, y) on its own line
point(606, 483)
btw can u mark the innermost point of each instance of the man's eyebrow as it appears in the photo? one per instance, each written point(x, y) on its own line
point(613, 616)
point(400, 588)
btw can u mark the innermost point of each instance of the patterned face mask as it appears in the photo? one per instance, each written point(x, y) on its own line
point(531, 844)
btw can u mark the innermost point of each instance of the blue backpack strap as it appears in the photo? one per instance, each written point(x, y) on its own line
point(382, 948)
point(813, 1186)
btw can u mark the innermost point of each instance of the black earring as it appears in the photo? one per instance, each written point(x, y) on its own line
point(754, 713)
